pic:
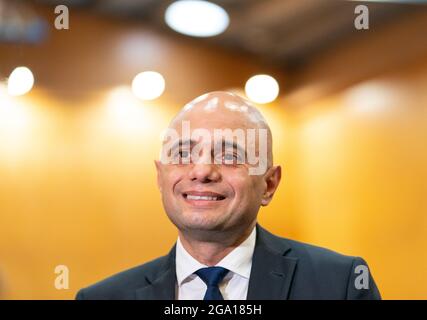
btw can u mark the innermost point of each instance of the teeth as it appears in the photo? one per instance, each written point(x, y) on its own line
point(191, 197)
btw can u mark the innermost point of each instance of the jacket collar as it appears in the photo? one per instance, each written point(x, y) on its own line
point(271, 273)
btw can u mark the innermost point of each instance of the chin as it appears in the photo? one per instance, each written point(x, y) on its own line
point(202, 223)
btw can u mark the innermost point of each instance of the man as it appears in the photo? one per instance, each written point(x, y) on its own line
point(212, 192)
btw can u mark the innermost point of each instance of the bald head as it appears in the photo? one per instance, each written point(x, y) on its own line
point(220, 102)
point(221, 110)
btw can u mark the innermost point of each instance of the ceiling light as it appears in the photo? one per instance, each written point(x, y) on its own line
point(262, 88)
point(148, 85)
point(197, 18)
point(20, 81)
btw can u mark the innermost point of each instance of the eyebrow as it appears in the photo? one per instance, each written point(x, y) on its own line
point(180, 143)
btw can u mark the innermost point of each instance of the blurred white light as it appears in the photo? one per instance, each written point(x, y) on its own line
point(197, 18)
point(373, 96)
point(124, 109)
point(14, 119)
point(262, 88)
point(20, 81)
point(127, 115)
point(148, 85)
point(5, 99)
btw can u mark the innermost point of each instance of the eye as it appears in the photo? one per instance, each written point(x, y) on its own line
point(184, 154)
point(231, 158)
point(181, 156)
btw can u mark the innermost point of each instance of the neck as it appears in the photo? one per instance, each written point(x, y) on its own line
point(210, 252)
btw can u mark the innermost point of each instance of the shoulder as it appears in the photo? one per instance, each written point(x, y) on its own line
point(322, 273)
point(319, 255)
point(328, 274)
point(304, 252)
point(312, 262)
point(123, 285)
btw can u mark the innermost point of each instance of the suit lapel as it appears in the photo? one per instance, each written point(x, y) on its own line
point(272, 272)
point(162, 286)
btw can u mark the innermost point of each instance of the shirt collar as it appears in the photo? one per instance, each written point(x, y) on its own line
point(238, 261)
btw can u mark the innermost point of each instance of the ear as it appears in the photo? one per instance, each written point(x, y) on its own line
point(158, 165)
point(272, 180)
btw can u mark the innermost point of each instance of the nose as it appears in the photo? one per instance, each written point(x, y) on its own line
point(204, 173)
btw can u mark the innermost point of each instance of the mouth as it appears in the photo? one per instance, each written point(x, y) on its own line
point(202, 197)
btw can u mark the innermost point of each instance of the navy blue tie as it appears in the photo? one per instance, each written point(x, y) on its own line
point(212, 276)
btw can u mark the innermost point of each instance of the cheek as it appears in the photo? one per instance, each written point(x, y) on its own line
point(244, 186)
point(254, 188)
point(170, 177)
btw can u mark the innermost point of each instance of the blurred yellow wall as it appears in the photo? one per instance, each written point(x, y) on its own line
point(77, 179)
point(358, 162)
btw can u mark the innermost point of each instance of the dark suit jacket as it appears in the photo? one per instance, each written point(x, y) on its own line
point(281, 269)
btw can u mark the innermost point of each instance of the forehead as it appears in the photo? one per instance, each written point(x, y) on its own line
point(212, 114)
point(217, 120)
point(233, 131)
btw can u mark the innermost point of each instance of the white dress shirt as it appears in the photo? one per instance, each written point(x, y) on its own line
point(234, 285)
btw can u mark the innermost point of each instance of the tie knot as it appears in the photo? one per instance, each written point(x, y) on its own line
point(212, 276)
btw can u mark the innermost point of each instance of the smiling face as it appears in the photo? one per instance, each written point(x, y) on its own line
point(216, 192)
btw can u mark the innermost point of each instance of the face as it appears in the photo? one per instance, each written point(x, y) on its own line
point(216, 192)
